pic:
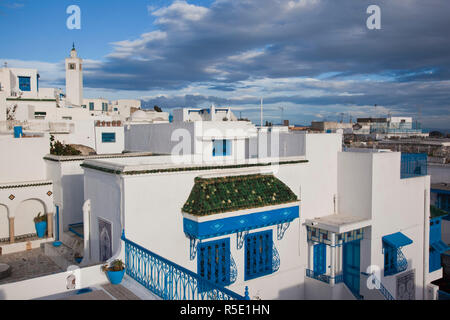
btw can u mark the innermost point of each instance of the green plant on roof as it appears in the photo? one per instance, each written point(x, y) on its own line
point(217, 195)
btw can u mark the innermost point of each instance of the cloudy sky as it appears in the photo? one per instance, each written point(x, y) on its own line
point(308, 59)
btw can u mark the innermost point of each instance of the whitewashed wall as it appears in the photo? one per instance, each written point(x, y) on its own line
point(152, 206)
point(109, 147)
point(22, 159)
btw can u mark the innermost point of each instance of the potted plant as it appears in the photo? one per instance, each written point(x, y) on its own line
point(115, 271)
point(40, 222)
point(78, 258)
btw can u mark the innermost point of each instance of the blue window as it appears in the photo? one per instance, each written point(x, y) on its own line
point(221, 148)
point(320, 251)
point(104, 107)
point(25, 83)
point(108, 137)
point(91, 106)
point(213, 261)
point(437, 246)
point(258, 254)
point(394, 260)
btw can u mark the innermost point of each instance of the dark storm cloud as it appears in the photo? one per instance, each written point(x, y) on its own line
point(234, 42)
point(306, 38)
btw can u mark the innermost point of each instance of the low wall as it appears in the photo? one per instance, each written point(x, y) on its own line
point(53, 284)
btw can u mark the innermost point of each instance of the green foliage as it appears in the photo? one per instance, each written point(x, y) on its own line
point(40, 218)
point(116, 265)
point(59, 149)
point(218, 195)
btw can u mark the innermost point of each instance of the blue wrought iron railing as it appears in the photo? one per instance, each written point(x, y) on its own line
point(324, 277)
point(379, 286)
point(170, 281)
point(398, 265)
point(413, 165)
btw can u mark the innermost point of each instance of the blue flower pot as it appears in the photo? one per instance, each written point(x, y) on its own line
point(115, 277)
point(41, 227)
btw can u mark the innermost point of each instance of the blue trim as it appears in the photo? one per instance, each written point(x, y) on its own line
point(397, 240)
point(218, 227)
point(440, 191)
point(73, 225)
point(57, 223)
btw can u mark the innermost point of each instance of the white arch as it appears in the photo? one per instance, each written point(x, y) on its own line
point(25, 213)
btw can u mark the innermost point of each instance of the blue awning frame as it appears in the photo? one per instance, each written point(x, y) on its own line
point(397, 240)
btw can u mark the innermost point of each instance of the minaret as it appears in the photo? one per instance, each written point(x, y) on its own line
point(74, 79)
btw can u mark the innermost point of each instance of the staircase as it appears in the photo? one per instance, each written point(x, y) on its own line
point(64, 255)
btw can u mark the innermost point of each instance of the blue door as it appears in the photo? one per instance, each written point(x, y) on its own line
point(320, 254)
point(351, 266)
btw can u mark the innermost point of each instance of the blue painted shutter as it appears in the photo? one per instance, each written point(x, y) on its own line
point(320, 251)
point(213, 262)
point(258, 254)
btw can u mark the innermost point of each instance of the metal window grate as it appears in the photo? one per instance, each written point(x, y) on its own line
point(258, 254)
point(213, 261)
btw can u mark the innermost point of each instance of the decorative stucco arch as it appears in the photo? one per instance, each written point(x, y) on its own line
point(14, 196)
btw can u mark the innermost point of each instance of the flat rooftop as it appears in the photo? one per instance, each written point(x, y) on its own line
point(158, 164)
point(441, 186)
point(56, 158)
point(339, 223)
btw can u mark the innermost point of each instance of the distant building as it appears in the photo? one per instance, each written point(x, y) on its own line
point(381, 128)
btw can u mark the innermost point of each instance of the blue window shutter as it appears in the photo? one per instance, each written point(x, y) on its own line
point(213, 261)
point(228, 147)
point(258, 254)
point(25, 83)
point(108, 137)
point(320, 251)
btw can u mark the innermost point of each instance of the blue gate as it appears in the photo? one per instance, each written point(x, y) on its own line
point(351, 266)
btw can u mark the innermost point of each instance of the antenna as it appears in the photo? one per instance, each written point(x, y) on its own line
point(282, 114)
point(261, 115)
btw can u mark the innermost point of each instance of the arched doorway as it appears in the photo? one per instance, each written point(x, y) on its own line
point(24, 215)
point(4, 222)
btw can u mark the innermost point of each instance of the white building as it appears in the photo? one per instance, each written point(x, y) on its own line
point(323, 223)
point(25, 191)
point(191, 135)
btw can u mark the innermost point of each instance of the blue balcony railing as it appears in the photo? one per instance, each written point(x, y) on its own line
point(170, 281)
point(324, 277)
point(413, 165)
